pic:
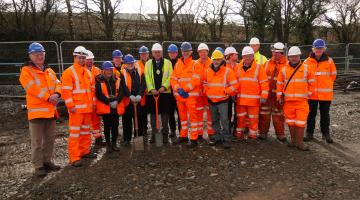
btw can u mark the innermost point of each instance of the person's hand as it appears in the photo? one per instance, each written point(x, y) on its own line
point(181, 91)
point(54, 98)
point(113, 104)
point(263, 100)
point(154, 92)
point(73, 110)
point(138, 98)
point(133, 98)
point(162, 89)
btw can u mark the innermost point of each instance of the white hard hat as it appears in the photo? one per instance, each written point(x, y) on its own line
point(278, 47)
point(89, 55)
point(247, 51)
point(203, 46)
point(156, 47)
point(294, 51)
point(230, 50)
point(80, 51)
point(254, 40)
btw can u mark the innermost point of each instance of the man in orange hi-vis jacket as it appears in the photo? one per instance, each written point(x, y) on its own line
point(78, 92)
point(253, 90)
point(42, 94)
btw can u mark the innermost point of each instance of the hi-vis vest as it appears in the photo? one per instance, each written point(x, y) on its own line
point(128, 82)
point(102, 108)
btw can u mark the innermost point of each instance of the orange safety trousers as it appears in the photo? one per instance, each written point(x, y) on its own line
point(248, 114)
point(296, 112)
point(185, 107)
point(202, 107)
point(95, 125)
point(274, 111)
point(79, 141)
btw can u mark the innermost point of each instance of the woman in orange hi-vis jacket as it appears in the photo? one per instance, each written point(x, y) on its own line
point(271, 110)
point(95, 119)
point(295, 83)
point(78, 92)
point(253, 90)
point(325, 75)
point(186, 92)
point(219, 85)
point(42, 94)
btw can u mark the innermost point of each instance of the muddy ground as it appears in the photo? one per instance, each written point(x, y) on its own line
point(249, 170)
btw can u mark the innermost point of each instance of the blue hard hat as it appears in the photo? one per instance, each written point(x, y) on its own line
point(117, 53)
point(220, 49)
point(128, 59)
point(107, 65)
point(172, 48)
point(319, 43)
point(186, 46)
point(143, 49)
point(35, 47)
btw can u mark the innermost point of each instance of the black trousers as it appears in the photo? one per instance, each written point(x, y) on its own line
point(324, 107)
point(111, 125)
point(127, 121)
point(172, 108)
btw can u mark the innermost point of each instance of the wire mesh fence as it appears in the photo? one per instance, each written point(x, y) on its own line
point(353, 57)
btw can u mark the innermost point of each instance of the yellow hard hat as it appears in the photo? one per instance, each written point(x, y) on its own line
point(217, 55)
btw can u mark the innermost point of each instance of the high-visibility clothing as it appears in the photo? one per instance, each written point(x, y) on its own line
point(117, 69)
point(231, 66)
point(259, 58)
point(301, 85)
point(95, 119)
point(325, 75)
point(39, 85)
point(149, 75)
point(184, 77)
point(78, 92)
point(102, 108)
point(271, 109)
point(140, 64)
point(253, 84)
point(128, 83)
point(218, 86)
point(202, 104)
point(79, 140)
point(296, 112)
point(78, 88)
point(250, 113)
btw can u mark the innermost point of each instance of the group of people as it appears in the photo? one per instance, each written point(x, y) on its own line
point(281, 89)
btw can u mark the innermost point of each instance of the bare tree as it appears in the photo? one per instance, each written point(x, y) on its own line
point(189, 20)
point(214, 16)
point(70, 19)
point(169, 9)
point(346, 23)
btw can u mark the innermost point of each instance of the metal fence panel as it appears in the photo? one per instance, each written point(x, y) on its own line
point(353, 57)
point(102, 49)
point(14, 54)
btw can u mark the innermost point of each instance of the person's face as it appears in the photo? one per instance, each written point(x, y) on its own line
point(89, 62)
point(130, 66)
point(80, 60)
point(255, 47)
point(38, 58)
point(108, 72)
point(144, 56)
point(277, 55)
point(157, 55)
point(248, 59)
point(173, 55)
point(294, 59)
point(203, 54)
point(318, 51)
point(117, 61)
point(234, 57)
point(217, 62)
point(186, 54)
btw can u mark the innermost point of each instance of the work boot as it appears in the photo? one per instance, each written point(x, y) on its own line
point(181, 140)
point(328, 138)
point(152, 139)
point(200, 139)
point(114, 146)
point(292, 142)
point(193, 144)
point(99, 142)
point(126, 143)
point(109, 148)
point(262, 136)
point(226, 145)
point(252, 136)
point(299, 139)
point(51, 167)
point(40, 172)
point(77, 163)
point(172, 134)
point(309, 137)
point(281, 138)
point(165, 138)
point(89, 155)
point(212, 140)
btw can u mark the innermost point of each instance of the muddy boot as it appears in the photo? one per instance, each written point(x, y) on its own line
point(328, 138)
point(89, 155)
point(309, 137)
point(200, 139)
point(299, 139)
point(99, 142)
point(181, 140)
point(77, 163)
point(172, 134)
point(281, 137)
point(226, 145)
point(152, 139)
point(51, 167)
point(292, 142)
point(193, 144)
point(212, 140)
point(262, 136)
point(40, 172)
point(114, 146)
point(109, 149)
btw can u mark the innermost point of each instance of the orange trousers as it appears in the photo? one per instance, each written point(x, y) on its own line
point(95, 125)
point(202, 107)
point(185, 107)
point(80, 138)
point(296, 112)
point(268, 111)
point(250, 112)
